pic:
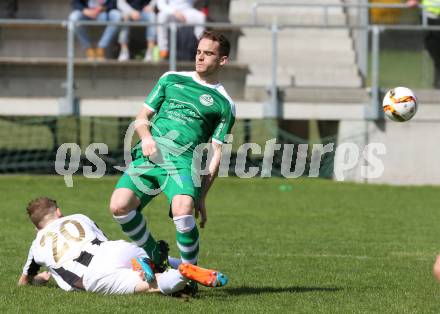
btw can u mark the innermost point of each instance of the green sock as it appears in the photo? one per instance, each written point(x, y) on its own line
point(188, 244)
point(135, 227)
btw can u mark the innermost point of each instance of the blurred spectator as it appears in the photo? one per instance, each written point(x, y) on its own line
point(432, 38)
point(137, 10)
point(385, 15)
point(99, 10)
point(180, 11)
point(8, 9)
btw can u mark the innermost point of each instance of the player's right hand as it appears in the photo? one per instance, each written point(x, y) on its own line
point(149, 148)
point(201, 210)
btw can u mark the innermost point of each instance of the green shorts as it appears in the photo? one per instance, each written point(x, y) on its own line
point(147, 180)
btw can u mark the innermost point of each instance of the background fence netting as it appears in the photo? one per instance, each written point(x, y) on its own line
point(29, 144)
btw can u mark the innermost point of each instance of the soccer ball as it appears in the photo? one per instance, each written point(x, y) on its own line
point(400, 104)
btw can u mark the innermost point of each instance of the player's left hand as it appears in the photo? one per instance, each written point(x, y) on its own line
point(201, 209)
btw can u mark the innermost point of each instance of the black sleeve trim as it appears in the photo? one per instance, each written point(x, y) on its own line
point(33, 268)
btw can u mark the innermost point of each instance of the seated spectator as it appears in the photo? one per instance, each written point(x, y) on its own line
point(8, 9)
point(432, 37)
point(137, 10)
point(179, 11)
point(99, 10)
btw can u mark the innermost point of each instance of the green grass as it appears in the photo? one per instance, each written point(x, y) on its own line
point(319, 247)
point(404, 68)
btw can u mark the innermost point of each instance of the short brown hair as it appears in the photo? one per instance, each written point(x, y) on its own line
point(40, 207)
point(224, 44)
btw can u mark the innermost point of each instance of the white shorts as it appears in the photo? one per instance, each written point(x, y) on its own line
point(110, 271)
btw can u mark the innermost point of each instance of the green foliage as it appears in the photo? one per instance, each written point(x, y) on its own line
point(315, 247)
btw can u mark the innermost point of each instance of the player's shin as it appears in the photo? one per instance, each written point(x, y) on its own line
point(135, 227)
point(187, 237)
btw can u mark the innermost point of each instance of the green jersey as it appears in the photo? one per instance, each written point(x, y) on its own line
point(189, 112)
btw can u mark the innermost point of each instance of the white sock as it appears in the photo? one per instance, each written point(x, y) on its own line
point(171, 281)
point(184, 223)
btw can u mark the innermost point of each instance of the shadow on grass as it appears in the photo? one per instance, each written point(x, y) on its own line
point(245, 290)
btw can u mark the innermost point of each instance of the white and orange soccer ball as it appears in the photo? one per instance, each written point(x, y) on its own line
point(400, 104)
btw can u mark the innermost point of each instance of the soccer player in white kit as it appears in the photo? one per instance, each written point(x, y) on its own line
point(80, 257)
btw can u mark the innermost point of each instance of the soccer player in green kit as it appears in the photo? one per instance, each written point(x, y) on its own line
point(183, 110)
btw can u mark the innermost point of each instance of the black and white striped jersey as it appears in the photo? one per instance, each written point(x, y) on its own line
point(65, 246)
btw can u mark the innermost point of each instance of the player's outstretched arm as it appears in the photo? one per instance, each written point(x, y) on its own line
point(207, 182)
point(142, 126)
point(24, 280)
point(38, 280)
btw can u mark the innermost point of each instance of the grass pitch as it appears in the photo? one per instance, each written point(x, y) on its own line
point(303, 246)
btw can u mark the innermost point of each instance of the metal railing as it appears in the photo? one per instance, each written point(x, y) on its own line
point(326, 6)
point(272, 108)
point(361, 43)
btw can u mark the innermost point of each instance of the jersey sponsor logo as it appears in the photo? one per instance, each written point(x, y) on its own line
point(206, 100)
point(180, 86)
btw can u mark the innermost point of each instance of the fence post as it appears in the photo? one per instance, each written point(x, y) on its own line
point(374, 110)
point(254, 13)
point(173, 46)
point(69, 104)
point(363, 39)
point(272, 108)
point(326, 20)
point(424, 16)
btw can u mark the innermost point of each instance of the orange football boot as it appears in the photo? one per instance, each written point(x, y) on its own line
point(206, 277)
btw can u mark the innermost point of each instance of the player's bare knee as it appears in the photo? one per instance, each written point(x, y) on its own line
point(122, 202)
point(180, 211)
point(182, 205)
point(118, 209)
